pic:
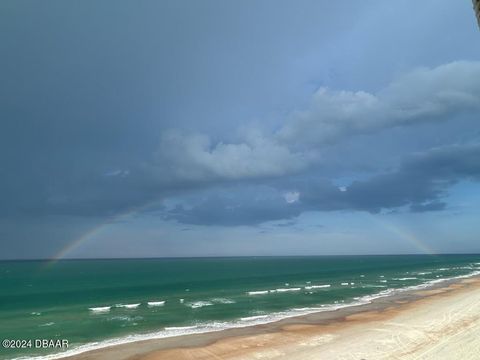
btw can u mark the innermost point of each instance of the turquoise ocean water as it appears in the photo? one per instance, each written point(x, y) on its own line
point(92, 303)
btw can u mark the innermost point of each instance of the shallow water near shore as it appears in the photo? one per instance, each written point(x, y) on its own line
point(93, 303)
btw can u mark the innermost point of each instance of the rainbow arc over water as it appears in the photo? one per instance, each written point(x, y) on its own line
point(391, 227)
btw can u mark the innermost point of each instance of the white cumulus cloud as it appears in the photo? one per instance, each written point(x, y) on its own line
point(424, 94)
point(291, 196)
point(195, 157)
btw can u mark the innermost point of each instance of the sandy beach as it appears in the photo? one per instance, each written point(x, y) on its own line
point(436, 323)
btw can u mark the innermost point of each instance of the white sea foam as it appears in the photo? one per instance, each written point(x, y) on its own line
point(317, 286)
point(437, 281)
point(199, 304)
point(218, 326)
point(405, 278)
point(261, 292)
point(307, 309)
point(100, 309)
point(222, 301)
point(120, 318)
point(156, 303)
point(35, 313)
point(47, 324)
point(285, 290)
point(128, 306)
point(344, 284)
point(279, 290)
point(383, 281)
point(250, 318)
point(366, 299)
point(180, 328)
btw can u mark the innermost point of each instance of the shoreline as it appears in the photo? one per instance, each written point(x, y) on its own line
point(327, 319)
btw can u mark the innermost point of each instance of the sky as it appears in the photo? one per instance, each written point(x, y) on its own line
point(231, 128)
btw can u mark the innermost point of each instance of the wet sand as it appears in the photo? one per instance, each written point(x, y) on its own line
point(442, 322)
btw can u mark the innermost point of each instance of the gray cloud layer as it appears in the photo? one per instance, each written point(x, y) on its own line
point(90, 94)
point(420, 183)
point(420, 96)
point(188, 161)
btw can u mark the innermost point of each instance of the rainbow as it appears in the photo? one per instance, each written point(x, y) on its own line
point(96, 231)
point(403, 234)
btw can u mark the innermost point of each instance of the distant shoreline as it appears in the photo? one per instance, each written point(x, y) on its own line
point(172, 347)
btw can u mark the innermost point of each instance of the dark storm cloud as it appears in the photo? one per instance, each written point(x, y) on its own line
point(420, 183)
point(90, 89)
point(97, 176)
point(108, 106)
point(85, 125)
point(233, 206)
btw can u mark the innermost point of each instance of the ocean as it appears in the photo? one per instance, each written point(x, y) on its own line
point(94, 303)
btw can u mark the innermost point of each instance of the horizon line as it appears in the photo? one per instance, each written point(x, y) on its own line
point(232, 256)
